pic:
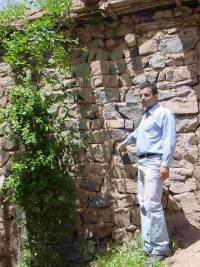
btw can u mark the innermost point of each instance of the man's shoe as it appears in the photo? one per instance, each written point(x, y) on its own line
point(155, 258)
point(146, 253)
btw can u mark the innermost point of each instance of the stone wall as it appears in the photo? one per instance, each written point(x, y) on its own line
point(161, 47)
point(9, 231)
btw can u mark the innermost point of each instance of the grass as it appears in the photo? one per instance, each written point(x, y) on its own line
point(127, 255)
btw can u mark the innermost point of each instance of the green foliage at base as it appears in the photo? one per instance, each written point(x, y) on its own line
point(127, 255)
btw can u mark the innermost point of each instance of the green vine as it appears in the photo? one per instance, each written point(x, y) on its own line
point(41, 182)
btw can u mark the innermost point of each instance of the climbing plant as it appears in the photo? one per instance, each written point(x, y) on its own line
point(41, 181)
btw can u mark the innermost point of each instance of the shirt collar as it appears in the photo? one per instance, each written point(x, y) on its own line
point(151, 110)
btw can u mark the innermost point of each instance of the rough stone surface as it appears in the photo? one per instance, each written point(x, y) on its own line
point(188, 257)
point(130, 40)
point(148, 47)
point(157, 61)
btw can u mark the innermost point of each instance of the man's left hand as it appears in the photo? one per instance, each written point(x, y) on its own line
point(164, 173)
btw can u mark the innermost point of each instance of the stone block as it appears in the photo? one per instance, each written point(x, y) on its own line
point(131, 228)
point(182, 105)
point(122, 217)
point(140, 79)
point(130, 39)
point(110, 111)
point(110, 136)
point(148, 47)
point(186, 124)
point(6, 82)
point(115, 124)
point(180, 174)
point(96, 81)
point(185, 72)
point(184, 42)
point(123, 29)
point(92, 183)
point(125, 201)
point(151, 77)
point(82, 70)
point(120, 235)
point(110, 81)
point(83, 95)
point(97, 124)
point(97, 54)
point(121, 171)
point(174, 59)
point(126, 186)
point(8, 144)
point(170, 45)
point(84, 36)
point(87, 112)
point(117, 54)
point(99, 67)
point(101, 55)
point(100, 202)
point(106, 96)
point(189, 203)
point(4, 69)
point(100, 153)
point(157, 61)
point(166, 95)
point(4, 157)
point(131, 111)
point(132, 97)
point(178, 187)
point(186, 147)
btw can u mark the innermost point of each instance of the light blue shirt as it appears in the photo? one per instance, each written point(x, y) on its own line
point(155, 134)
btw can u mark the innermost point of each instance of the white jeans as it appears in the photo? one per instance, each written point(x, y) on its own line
point(150, 188)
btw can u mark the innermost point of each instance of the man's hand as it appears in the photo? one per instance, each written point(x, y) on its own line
point(164, 173)
point(121, 148)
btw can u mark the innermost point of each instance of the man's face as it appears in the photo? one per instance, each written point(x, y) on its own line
point(147, 98)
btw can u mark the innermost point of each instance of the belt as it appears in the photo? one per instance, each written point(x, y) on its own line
point(146, 155)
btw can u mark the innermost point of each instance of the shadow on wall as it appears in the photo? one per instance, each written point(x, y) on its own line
point(162, 48)
point(9, 237)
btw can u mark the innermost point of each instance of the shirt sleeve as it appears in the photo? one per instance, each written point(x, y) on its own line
point(168, 139)
point(130, 139)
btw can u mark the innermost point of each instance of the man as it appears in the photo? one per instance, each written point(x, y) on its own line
point(155, 142)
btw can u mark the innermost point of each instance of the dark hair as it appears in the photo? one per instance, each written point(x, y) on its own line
point(153, 88)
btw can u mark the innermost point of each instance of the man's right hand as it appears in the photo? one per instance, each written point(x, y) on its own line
point(121, 148)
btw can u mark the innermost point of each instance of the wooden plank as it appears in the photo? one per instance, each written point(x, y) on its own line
point(121, 6)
